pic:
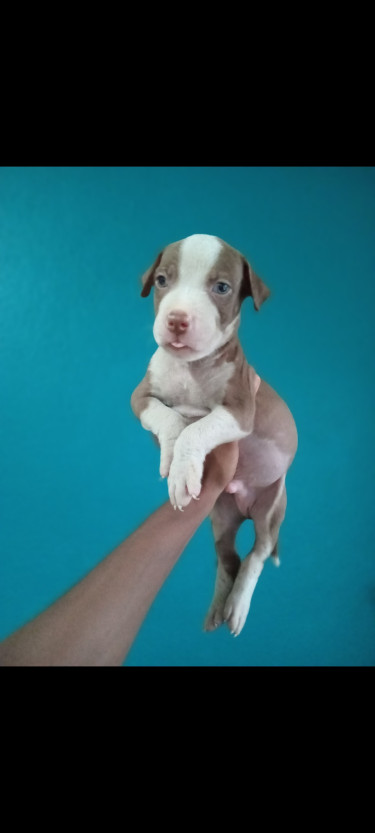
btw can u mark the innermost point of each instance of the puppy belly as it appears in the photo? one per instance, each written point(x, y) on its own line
point(260, 463)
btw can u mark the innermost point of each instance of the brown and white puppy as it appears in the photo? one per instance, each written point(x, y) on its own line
point(199, 392)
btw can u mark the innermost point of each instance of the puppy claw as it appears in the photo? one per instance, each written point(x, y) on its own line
point(180, 508)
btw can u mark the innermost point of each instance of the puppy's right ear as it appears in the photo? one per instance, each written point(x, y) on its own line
point(148, 277)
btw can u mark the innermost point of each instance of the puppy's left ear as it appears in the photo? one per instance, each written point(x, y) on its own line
point(148, 277)
point(252, 285)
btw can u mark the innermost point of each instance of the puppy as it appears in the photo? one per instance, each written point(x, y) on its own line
point(199, 392)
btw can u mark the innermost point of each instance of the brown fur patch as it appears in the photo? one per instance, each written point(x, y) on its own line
point(165, 264)
point(241, 390)
point(140, 396)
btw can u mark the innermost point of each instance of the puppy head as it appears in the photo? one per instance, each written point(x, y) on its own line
point(200, 283)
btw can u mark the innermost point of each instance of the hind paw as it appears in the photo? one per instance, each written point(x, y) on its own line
point(215, 616)
point(235, 611)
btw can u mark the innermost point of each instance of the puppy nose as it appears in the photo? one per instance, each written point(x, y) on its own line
point(177, 321)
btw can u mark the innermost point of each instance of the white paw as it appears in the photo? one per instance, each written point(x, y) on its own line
point(166, 457)
point(184, 481)
point(236, 609)
point(167, 440)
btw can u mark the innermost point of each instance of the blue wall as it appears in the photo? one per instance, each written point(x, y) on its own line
point(77, 472)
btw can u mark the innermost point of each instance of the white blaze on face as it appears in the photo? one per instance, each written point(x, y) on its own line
point(198, 254)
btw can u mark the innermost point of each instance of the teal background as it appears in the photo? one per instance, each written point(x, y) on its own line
point(77, 471)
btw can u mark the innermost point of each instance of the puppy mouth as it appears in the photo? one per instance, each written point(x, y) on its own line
point(178, 345)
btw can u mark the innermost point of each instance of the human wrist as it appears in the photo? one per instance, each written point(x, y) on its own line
point(210, 492)
point(220, 467)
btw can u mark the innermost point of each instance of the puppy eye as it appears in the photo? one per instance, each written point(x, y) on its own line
point(161, 280)
point(221, 288)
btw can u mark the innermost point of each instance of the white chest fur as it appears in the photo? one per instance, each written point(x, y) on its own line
point(191, 392)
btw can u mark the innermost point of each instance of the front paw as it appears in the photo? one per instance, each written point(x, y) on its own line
point(184, 481)
point(167, 440)
point(166, 457)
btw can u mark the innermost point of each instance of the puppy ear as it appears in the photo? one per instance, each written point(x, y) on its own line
point(252, 285)
point(148, 277)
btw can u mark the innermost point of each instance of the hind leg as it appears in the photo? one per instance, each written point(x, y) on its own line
point(268, 513)
point(226, 520)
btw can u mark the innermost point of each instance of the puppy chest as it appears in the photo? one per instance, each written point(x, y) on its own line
point(183, 389)
point(186, 391)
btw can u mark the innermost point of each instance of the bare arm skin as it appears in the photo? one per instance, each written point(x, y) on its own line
point(96, 622)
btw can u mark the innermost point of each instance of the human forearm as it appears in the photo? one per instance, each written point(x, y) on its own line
point(96, 622)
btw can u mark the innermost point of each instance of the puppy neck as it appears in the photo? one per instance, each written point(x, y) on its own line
point(227, 352)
